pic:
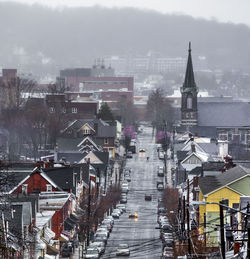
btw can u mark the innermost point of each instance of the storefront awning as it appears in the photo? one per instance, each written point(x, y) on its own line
point(51, 250)
point(48, 234)
point(63, 238)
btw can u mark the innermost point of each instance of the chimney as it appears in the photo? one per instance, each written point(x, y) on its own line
point(96, 128)
point(56, 153)
point(193, 148)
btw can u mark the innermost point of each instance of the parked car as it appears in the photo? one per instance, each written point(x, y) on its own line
point(160, 187)
point(148, 197)
point(103, 229)
point(123, 249)
point(124, 200)
point(160, 171)
point(101, 237)
point(92, 253)
point(124, 190)
point(115, 215)
point(110, 219)
point(127, 178)
point(129, 154)
point(98, 245)
point(121, 207)
point(118, 211)
point(108, 224)
point(161, 210)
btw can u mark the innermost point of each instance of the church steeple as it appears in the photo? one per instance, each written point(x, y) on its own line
point(189, 115)
point(189, 76)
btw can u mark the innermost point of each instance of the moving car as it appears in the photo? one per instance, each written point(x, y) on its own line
point(142, 150)
point(133, 215)
point(148, 197)
point(123, 249)
point(92, 253)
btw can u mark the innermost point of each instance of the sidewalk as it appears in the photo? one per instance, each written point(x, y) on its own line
point(79, 252)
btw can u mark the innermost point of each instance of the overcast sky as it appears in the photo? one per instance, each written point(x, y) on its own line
point(236, 11)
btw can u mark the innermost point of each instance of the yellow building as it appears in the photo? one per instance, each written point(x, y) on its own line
point(228, 186)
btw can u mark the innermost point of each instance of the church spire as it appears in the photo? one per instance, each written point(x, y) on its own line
point(189, 77)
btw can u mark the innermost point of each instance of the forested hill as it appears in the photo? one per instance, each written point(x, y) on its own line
point(42, 37)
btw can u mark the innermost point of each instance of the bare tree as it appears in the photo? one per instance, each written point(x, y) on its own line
point(14, 92)
point(159, 110)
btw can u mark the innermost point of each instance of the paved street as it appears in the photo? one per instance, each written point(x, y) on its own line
point(140, 233)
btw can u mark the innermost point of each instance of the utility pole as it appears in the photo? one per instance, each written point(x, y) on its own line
point(188, 192)
point(222, 235)
point(89, 209)
point(188, 231)
point(183, 216)
point(205, 226)
point(248, 231)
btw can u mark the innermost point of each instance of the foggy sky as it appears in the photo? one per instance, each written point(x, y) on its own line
point(235, 11)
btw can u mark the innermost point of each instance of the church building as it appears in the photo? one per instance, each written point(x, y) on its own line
point(222, 118)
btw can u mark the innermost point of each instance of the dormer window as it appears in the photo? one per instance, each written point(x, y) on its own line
point(52, 109)
point(74, 110)
point(63, 110)
point(24, 188)
point(49, 187)
point(106, 141)
point(86, 131)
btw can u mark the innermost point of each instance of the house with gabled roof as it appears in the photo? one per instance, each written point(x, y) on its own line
point(101, 133)
point(35, 182)
point(228, 186)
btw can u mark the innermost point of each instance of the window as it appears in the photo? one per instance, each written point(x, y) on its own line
point(63, 110)
point(106, 141)
point(74, 110)
point(51, 109)
point(247, 138)
point(189, 102)
point(236, 137)
point(25, 188)
point(49, 187)
point(86, 131)
point(223, 136)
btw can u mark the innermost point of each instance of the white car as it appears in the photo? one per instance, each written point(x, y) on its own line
point(123, 249)
point(109, 218)
point(121, 207)
point(92, 253)
point(102, 230)
point(115, 215)
point(118, 211)
point(98, 245)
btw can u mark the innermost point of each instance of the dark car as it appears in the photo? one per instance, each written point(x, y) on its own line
point(129, 154)
point(133, 215)
point(148, 197)
point(160, 187)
